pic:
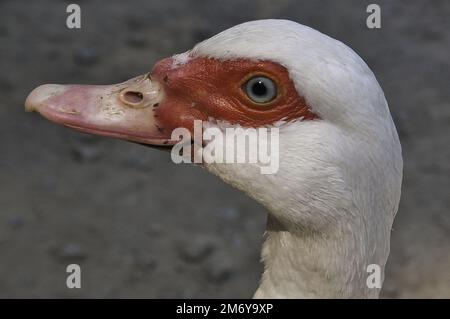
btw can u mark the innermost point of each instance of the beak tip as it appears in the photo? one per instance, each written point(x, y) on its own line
point(29, 105)
point(40, 95)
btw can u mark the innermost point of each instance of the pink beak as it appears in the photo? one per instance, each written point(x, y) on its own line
point(124, 110)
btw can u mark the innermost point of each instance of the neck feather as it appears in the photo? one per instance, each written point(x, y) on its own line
point(302, 264)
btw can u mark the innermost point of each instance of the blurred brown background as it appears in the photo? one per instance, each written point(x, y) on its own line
point(139, 225)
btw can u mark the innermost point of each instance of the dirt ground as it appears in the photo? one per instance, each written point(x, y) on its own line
point(141, 226)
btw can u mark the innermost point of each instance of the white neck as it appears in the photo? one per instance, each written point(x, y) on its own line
point(330, 210)
point(301, 264)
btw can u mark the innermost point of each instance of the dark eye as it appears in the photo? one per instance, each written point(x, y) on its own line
point(261, 89)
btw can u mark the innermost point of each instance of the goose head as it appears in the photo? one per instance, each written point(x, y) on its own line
point(333, 198)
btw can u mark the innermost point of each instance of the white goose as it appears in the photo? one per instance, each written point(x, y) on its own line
point(333, 200)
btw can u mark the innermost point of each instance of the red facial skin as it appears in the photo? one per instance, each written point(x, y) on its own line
point(206, 87)
point(200, 89)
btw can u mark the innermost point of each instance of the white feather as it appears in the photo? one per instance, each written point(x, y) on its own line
point(332, 202)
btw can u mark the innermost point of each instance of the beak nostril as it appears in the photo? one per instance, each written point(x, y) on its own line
point(132, 97)
point(140, 93)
